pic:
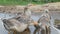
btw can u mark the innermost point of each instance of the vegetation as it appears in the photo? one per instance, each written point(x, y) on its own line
point(24, 2)
point(57, 21)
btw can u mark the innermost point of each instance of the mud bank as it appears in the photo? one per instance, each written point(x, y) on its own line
point(33, 8)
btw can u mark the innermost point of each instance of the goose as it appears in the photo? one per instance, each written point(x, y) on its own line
point(18, 23)
point(44, 22)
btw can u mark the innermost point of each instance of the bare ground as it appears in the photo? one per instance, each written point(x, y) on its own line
point(33, 8)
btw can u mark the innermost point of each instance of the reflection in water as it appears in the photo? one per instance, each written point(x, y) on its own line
point(27, 31)
point(37, 31)
point(42, 31)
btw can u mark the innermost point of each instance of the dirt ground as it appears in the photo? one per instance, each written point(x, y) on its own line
point(32, 7)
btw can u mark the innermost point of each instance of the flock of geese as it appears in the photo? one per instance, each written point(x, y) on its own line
point(21, 23)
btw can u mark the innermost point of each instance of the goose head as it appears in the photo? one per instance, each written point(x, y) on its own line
point(46, 11)
point(27, 11)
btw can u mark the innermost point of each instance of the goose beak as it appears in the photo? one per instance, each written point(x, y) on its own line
point(35, 23)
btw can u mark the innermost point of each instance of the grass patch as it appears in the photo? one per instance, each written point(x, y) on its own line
point(24, 2)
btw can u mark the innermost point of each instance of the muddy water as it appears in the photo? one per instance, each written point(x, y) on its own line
point(32, 28)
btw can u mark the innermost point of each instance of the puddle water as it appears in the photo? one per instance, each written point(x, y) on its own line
point(32, 28)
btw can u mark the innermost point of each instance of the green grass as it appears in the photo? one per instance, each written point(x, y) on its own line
point(24, 2)
point(12, 2)
point(16, 2)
